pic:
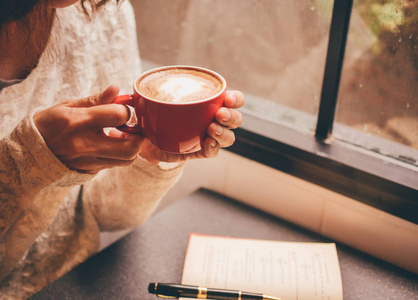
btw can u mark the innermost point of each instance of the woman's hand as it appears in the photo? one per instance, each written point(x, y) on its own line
point(219, 134)
point(73, 130)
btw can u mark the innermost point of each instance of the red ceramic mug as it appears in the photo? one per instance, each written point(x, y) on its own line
point(176, 127)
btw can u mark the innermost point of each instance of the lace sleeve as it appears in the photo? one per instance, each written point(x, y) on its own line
point(125, 197)
point(33, 182)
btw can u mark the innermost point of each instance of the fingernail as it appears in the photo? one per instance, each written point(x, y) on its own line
point(227, 116)
point(234, 100)
point(213, 144)
point(219, 130)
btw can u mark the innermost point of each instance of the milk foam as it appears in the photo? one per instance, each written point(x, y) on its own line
point(179, 87)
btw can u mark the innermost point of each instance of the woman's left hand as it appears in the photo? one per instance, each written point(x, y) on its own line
point(219, 136)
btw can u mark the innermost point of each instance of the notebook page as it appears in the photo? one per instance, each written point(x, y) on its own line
point(287, 270)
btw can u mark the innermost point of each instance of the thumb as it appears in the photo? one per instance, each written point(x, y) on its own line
point(105, 97)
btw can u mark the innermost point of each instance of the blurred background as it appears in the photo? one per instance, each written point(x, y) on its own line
point(274, 51)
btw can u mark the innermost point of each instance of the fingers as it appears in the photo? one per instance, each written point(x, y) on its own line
point(98, 151)
point(96, 143)
point(99, 110)
point(85, 147)
point(110, 115)
point(229, 118)
point(105, 97)
point(113, 132)
point(210, 147)
point(73, 132)
point(125, 147)
point(223, 136)
point(234, 99)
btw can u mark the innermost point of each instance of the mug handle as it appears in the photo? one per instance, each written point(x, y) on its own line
point(128, 100)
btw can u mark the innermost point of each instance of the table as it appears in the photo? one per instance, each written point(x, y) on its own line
point(155, 252)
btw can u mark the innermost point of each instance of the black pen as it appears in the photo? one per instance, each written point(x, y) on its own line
point(173, 290)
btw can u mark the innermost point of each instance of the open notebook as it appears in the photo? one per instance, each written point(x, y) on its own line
point(287, 270)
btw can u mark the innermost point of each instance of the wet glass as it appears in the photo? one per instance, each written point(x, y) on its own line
point(379, 86)
point(273, 51)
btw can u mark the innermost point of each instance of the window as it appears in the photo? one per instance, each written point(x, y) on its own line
point(357, 135)
point(379, 84)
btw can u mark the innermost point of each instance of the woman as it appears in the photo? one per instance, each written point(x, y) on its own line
point(53, 51)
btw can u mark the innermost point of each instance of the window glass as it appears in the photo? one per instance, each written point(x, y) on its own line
point(379, 86)
point(274, 51)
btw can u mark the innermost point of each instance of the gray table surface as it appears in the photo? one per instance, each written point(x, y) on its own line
point(155, 252)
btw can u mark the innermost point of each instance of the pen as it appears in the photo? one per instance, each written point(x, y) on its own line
point(172, 290)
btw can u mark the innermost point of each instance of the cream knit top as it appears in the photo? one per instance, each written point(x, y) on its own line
point(46, 225)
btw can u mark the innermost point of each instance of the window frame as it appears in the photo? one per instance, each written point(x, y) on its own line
point(374, 179)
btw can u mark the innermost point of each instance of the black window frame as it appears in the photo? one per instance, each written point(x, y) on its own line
point(377, 180)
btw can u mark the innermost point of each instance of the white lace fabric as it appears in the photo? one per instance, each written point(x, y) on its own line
point(45, 227)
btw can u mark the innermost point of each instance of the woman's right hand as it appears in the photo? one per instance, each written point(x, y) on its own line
point(73, 130)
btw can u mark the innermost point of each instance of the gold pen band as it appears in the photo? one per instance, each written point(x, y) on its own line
point(239, 295)
point(202, 292)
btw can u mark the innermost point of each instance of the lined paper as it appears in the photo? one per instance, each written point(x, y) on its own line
point(288, 270)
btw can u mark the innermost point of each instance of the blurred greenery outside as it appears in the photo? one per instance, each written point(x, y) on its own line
point(386, 73)
point(389, 20)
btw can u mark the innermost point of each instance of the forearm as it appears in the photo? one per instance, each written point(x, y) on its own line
point(125, 197)
point(32, 185)
point(30, 223)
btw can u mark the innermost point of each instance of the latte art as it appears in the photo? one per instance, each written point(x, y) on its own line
point(179, 85)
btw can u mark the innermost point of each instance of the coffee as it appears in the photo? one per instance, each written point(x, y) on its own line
point(174, 106)
point(179, 84)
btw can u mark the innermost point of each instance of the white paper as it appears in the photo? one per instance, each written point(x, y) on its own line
point(287, 270)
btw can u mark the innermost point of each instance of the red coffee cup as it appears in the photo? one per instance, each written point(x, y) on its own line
point(176, 127)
